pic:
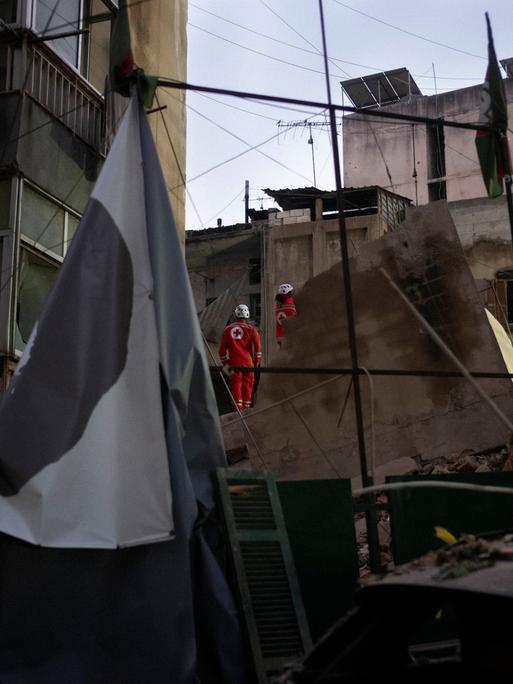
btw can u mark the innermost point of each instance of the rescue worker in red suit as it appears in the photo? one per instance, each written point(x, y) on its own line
point(285, 307)
point(241, 346)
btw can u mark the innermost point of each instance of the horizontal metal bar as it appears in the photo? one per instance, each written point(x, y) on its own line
point(180, 85)
point(390, 372)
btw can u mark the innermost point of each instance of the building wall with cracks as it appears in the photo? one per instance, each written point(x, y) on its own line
point(313, 435)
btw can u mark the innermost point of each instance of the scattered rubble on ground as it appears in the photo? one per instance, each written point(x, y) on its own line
point(499, 458)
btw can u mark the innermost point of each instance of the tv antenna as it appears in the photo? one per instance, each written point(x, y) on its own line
point(324, 125)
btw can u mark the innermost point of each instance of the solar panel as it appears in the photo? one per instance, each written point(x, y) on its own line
point(381, 89)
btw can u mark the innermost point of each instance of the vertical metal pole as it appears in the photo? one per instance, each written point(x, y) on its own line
point(246, 202)
point(372, 532)
point(311, 142)
point(506, 160)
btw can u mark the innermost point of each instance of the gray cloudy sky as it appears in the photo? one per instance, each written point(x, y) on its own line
point(269, 46)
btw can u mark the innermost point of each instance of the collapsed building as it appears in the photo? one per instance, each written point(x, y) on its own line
point(304, 427)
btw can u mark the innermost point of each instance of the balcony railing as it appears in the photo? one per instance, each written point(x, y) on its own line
point(66, 96)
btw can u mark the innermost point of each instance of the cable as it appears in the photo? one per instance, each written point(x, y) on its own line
point(258, 52)
point(256, 148)
point(278, 59)
point(315, 52)
point(239, 109)
point(380, 113)
point(410, 33)
point(182, 175)
point(441, 344)
point(241, 192)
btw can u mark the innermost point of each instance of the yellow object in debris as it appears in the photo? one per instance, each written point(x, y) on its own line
point(503, 340)
point(445, 535)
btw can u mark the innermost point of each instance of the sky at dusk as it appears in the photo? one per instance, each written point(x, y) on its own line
point(273, 47)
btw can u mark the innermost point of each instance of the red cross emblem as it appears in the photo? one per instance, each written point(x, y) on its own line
point(237, 333)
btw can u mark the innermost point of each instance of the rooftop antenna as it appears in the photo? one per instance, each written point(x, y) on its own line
point(311, 142)
point(307, 124)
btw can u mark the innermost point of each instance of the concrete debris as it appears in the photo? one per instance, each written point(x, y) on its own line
point(302, 424)
point(494, 460)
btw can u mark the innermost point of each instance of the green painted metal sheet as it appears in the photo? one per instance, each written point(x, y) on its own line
point(320, 525)
point(415, 512)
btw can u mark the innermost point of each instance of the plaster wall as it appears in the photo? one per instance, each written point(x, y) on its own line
point(484, 230)
point(380, 151)
point(304, 425)
point(297, 253)
point(159, 41)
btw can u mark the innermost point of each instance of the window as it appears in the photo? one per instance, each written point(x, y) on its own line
point(8, 10)
point(36, 277)
point(89, 53)
point(436, 162)
point(436, 150)
point(254, 271)
point(45, 223)
point(47, 227)
point(255, 308)
point(5, 202)
point(58, 16)
point(437, 191)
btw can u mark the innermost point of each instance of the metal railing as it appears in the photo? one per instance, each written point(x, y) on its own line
point(66, 96)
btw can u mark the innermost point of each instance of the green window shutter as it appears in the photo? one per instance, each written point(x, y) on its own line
point(267, 584)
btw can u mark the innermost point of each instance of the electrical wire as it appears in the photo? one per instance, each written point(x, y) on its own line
point(239, 109)
point(410, 33)
point(251, 148)
point(220, 211)
point(315, 52)
point(181, 173)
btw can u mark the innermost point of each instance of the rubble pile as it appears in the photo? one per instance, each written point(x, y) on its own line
point(467, 461)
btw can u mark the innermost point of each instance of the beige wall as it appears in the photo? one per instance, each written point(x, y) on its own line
point(160, 48)
point(368, 144)
point(297, 252)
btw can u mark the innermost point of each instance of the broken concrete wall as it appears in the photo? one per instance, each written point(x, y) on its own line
point(313, 435)
point(484, 229)
point(296, 253)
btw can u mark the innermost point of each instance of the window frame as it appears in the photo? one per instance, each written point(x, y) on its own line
point(38, 246)
point(27, 16)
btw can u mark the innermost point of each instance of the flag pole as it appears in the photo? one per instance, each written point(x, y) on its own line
point(508, 180)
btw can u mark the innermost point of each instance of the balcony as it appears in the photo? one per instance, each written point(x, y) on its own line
point(34, 68)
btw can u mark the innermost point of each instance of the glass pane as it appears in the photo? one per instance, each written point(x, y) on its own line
point(36, 277)
point(99, 38)
point(57, 16)
point(5, 203)
point(42, 221)
point(72, 229)
point(8, 10)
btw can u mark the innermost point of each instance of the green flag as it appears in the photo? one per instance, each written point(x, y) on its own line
point(123, 71)
point(492, 145)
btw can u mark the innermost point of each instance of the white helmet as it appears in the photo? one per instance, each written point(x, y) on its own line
point(285, 288)
point(241, 311)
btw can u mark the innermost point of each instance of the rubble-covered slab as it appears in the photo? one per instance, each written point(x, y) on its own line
point(313, 435)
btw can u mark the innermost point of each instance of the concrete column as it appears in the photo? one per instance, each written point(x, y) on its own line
point(160, 47)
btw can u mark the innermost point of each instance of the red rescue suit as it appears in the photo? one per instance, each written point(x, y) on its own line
point(285, 307)
point(241, 346)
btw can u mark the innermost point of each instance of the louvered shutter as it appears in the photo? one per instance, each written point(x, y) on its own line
point(267, 584)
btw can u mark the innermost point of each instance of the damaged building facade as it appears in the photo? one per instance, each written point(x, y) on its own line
point(246, 263)
point(451, 257)
point(55, 129)
point(431, 162)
